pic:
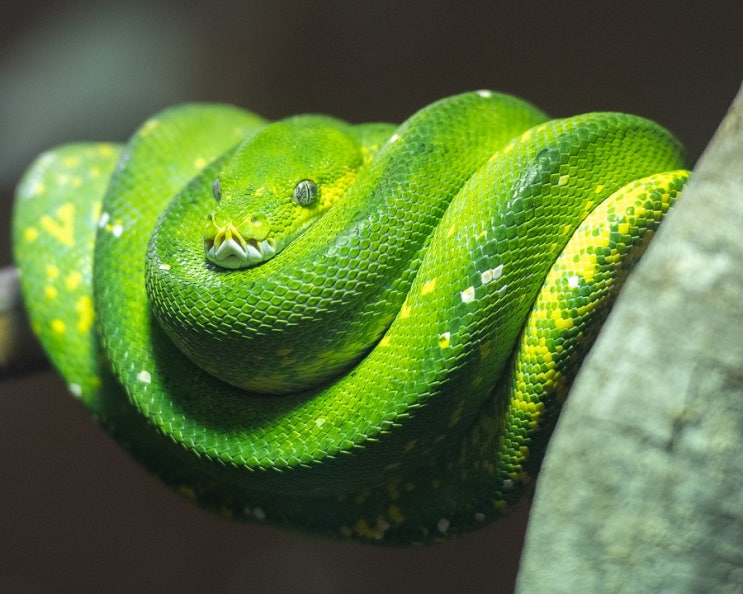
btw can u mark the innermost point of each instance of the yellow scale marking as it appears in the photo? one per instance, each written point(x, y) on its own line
point(444, 340)
point(62, 226)
point(85, 312)
point(73, 280)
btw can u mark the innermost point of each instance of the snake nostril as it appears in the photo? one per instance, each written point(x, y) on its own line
point(255, 226)
point(258, 219)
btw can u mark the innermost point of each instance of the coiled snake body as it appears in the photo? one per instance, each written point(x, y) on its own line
point(361, 331)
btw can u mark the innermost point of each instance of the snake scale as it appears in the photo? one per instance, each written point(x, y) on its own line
point(364, 331)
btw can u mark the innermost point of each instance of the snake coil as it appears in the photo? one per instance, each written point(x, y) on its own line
point(360, 331)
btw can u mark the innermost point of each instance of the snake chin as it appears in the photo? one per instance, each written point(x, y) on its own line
point(233, 254)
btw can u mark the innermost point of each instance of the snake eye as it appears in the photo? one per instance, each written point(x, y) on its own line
point(305, 192)
point(217, 190)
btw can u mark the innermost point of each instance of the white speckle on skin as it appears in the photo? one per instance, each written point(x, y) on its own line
point(319, 422)
point(468, 295)
point(395, 137)
point(488, 276)
point(382, 525)
point(37, 188)
point(104, 218)
point(443, 525)
point(76, 390)
point(573, 281)
point(117, 230)
point(563, 180)
point(485, 94)
point(259, 514)
point(144, 377)
point(164, 267)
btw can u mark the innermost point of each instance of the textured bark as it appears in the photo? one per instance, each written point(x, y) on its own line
point(641, 489)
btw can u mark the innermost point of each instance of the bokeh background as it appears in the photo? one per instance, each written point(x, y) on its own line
point(77, 514)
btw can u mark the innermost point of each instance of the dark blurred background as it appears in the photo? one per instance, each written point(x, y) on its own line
point(78, 515)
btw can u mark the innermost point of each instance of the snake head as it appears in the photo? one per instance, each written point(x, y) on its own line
point(277, 184)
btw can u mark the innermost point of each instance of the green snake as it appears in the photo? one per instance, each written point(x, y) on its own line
point(363, 331)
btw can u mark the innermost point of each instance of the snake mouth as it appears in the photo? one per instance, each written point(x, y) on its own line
point(241, 245)
point(236, 252)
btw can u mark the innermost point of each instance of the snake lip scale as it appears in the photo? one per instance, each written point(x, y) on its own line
point(360, 331)
point(238, 252)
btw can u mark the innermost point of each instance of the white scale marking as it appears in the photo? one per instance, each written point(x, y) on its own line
point(488, 276)
point(468, 295)
point(382, 525)
point(443, 525)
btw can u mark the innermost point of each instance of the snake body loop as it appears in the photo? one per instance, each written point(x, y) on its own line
point(413, 306)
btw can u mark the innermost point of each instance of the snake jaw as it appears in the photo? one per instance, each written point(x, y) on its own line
point(232, 253)
point(226, 246)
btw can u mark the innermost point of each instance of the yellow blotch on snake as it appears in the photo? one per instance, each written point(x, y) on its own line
point(85, 312)
point(61, 227)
